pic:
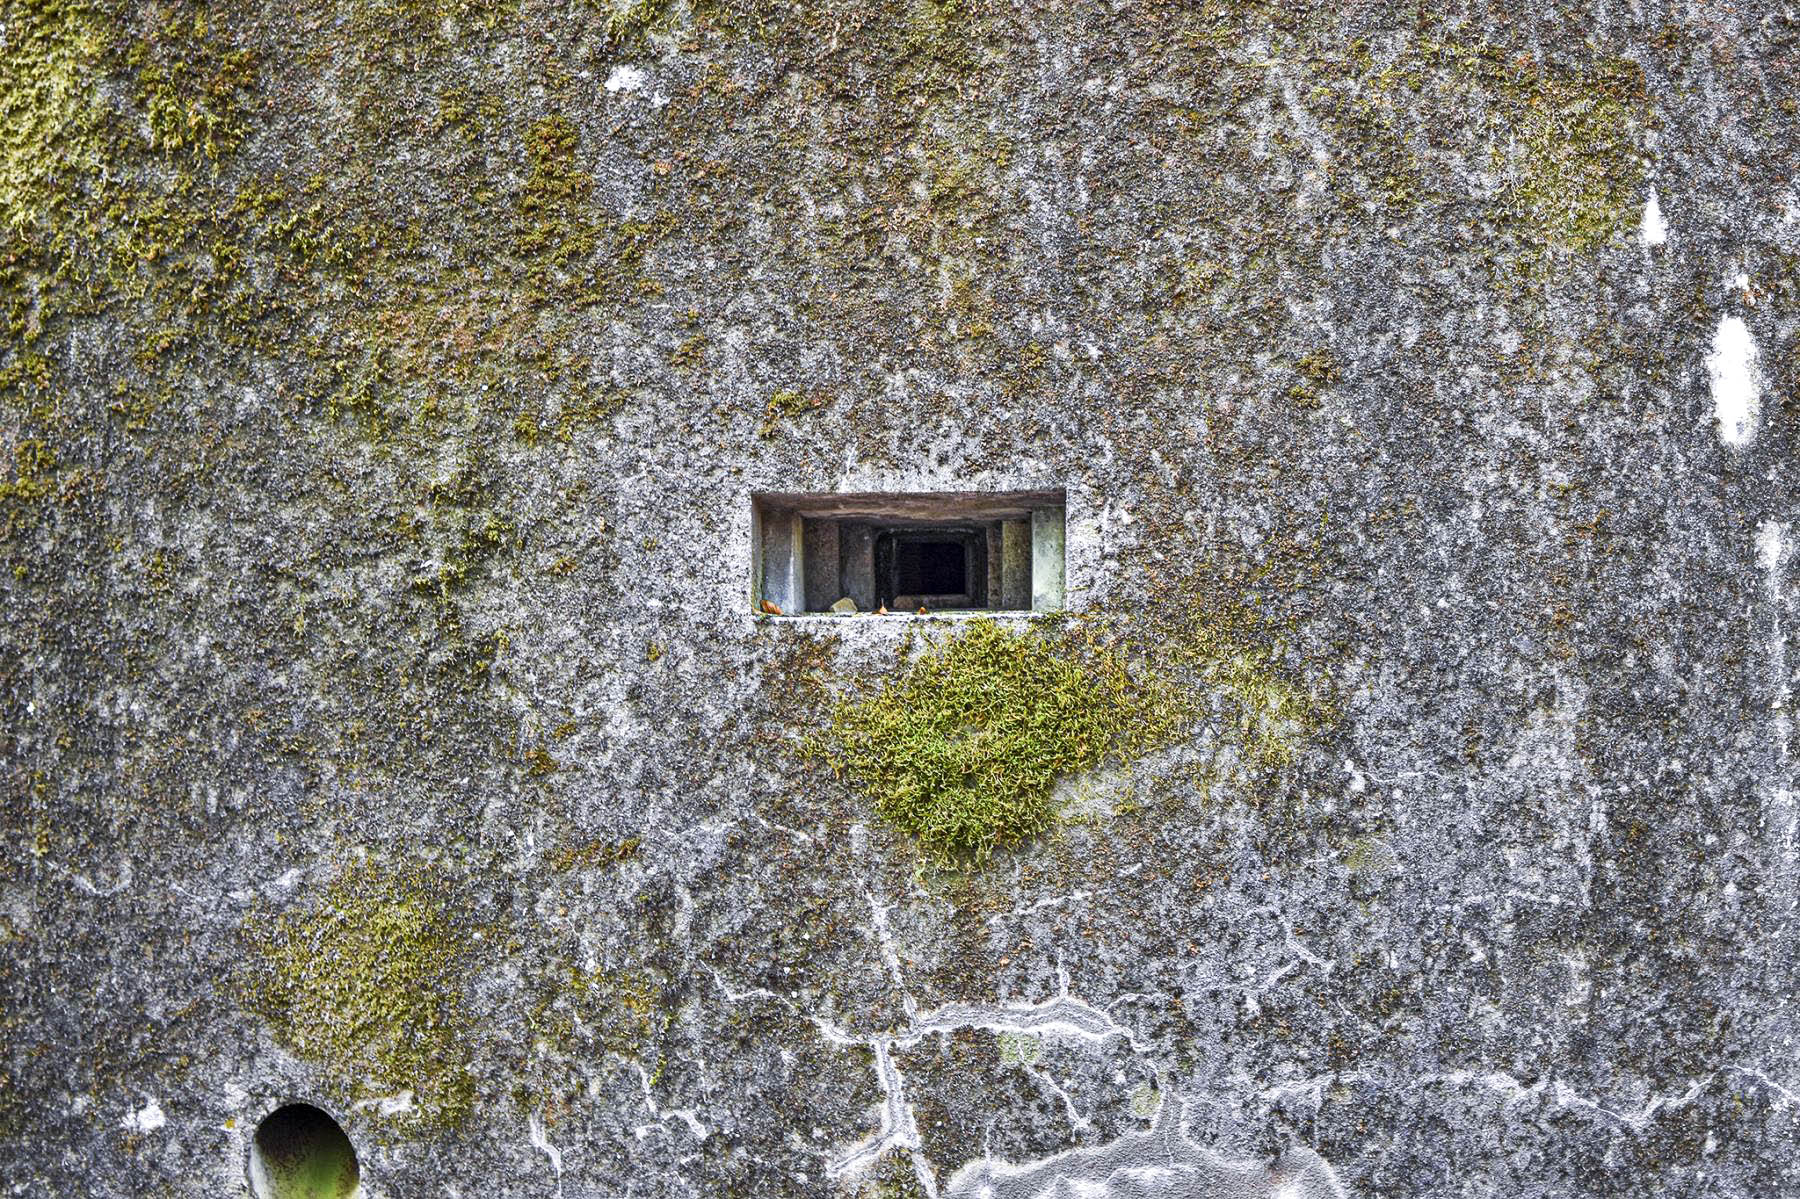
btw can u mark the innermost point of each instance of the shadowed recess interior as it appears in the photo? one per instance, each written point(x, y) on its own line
point(982, 551)
point(299, 1152)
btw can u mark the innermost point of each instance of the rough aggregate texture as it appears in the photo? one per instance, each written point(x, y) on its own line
point(383, 384)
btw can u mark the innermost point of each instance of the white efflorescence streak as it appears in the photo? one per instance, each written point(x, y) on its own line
point(884, 937)
point(1063, 1016)
point(1565, 1096)
point(1653, 230)
point(1736, 390)
point(540, 1141)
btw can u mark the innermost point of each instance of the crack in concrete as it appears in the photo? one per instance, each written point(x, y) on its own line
point(1062, 1016)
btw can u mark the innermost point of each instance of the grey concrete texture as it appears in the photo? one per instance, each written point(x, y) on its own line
point(383, 388)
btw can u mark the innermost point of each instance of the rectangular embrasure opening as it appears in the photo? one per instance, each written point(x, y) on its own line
point(963, 551)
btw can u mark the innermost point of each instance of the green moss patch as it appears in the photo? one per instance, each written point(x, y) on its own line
point(963, 749)
point(586, 1016)
point(630, 22)
point(366, 982)
point(48, 53)
point(556, 194)
point(1275, 715)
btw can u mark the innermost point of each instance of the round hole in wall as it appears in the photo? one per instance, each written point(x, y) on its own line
point(299, 1152)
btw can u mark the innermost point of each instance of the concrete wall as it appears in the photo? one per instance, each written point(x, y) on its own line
point(384, 389)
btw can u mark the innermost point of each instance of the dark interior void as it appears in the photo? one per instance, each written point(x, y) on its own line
point(936, 567)
point(931, 568)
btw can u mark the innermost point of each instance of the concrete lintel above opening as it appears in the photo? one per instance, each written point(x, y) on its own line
point(912, 505)
point(947, 551)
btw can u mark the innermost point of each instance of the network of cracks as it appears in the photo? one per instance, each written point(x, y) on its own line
point(300, 1152)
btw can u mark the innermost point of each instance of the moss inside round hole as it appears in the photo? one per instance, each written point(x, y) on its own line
point(299, 1152)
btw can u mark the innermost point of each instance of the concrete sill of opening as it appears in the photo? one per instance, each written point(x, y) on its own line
point(947, 614)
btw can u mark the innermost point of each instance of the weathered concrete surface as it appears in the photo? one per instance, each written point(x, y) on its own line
point(383, 386)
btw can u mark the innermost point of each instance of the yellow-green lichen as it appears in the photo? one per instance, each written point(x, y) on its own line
point(963, 748)
point(366, 982)
point(585, 1013)
point(1369, 854)
point(1019, 1048)
point(1228, 647)
point(1573, 170)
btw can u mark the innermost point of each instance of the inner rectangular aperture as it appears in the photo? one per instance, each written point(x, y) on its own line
point(930, 566)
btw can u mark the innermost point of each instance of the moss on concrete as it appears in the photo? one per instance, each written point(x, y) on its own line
point(963, 747)
point(191, 85)
point(554, 206)
point(366, 981)
point(48, 104)
point(1274, 714)
point(1224, 631)
point(629, 21)
point(786, 405)
point(335, 256)
point(591, 1016)
point(1568, 149)
point(595, 854)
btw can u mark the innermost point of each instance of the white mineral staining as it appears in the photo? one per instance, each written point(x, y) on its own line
point(1063, 1016)
point(898, 1130)
point(1652, 230)
point(1771, 548)
point(686, 1115)
point(626, 79)
point(1162, 1161)
point(148, 1118)
point(403, 1104)
point(1736, 395)
point(541, 1142)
